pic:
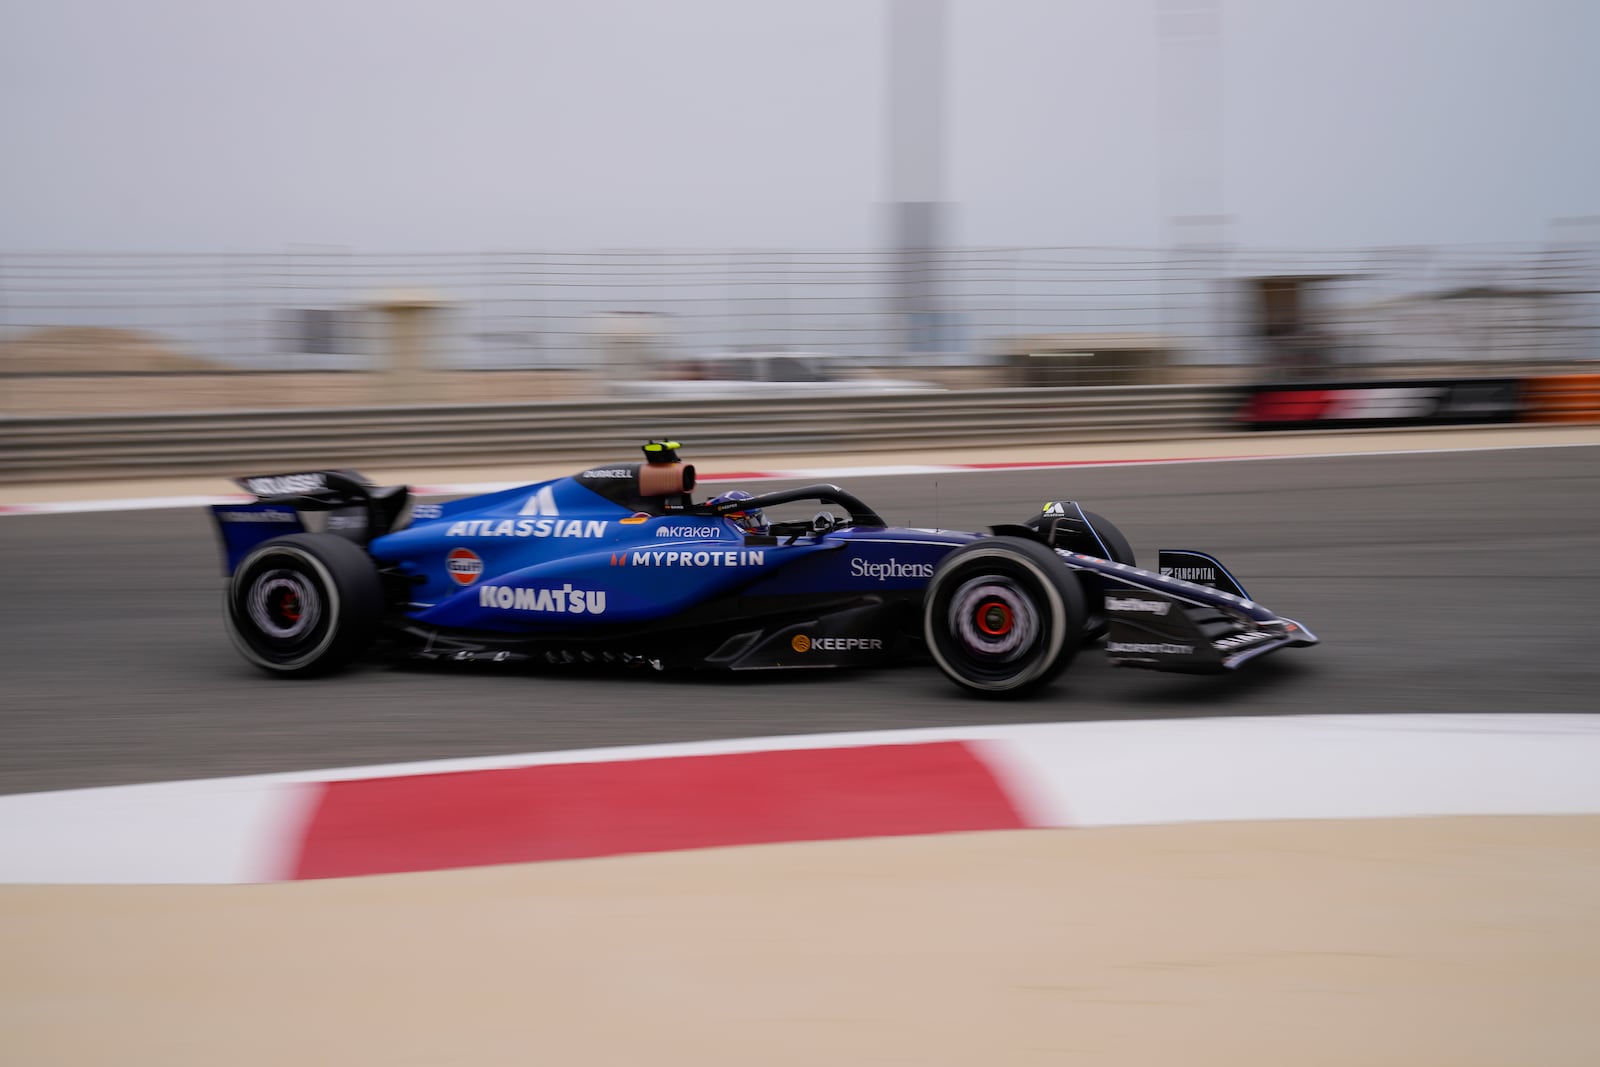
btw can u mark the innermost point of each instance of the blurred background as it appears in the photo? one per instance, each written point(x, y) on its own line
point(381, 203)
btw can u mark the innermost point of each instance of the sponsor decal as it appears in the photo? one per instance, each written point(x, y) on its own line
point(1158, 648)
point(635, 519)
point(690, 533)
point(690, 558)
point(347, 522)
point(608, 472)
point(1493, 398)
point(257, 516)
point(884, 570)
point(528, 528)
point(1055, 507)
point(1144, 607)
point(1190, 574)
point(283, 484)
point(846, 644)
point(1397, 403)
point(1480, 400)
point(464, 565)
point(563, 601)
point(802, 643)
point(542, 502)
point(1249, 637)
point(1337, 405)
point(426, 511)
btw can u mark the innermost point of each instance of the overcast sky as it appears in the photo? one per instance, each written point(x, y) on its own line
point(392, 125)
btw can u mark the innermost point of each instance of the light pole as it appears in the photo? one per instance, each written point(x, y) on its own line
point(916, 45)
point(1189, 37)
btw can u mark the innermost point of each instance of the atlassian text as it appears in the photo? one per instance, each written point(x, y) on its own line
point(527, 528)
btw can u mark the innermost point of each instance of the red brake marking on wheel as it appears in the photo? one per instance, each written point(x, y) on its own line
point(575, 810)
point(1006, 620)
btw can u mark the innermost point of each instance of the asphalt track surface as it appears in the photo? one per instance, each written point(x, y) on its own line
point(1442, 582)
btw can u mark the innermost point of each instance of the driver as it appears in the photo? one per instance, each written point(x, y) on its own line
point(750, 520)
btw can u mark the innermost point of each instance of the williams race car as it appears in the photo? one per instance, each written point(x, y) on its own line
point(618, 564)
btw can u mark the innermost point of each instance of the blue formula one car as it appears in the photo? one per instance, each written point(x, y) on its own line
point(618, 564)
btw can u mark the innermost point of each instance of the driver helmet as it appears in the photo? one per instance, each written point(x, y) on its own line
point(750, 520)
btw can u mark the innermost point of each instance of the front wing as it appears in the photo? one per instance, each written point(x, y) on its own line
point(1161, 622)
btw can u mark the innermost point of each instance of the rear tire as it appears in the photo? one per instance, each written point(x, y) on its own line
point(304, 605)
point(1001, 616)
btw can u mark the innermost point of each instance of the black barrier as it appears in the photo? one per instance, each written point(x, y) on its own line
point(1376, 404)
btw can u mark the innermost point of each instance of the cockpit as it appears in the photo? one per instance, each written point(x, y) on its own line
point(661, 485)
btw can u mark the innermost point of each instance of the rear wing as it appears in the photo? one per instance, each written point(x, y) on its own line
point(341, 502)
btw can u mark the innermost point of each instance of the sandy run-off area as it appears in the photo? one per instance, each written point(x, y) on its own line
point(1457, 941)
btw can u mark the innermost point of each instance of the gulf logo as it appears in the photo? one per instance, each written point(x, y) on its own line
point(464, 565)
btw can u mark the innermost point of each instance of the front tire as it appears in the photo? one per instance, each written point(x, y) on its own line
point(1003, 616)
point(304, 605)
point(1119, 551)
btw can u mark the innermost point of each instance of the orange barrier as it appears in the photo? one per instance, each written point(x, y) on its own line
point(1562, 398)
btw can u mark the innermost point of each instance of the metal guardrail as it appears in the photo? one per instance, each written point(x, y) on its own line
point(68, 447)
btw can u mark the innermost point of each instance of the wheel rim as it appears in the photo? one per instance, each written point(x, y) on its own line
point(283, 605)
point(994, 619)
point(283, 608)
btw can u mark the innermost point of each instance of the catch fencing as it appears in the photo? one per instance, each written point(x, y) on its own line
point(319, 309)
point(250, 362)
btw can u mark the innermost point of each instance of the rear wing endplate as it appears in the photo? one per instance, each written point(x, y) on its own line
point(341, 502)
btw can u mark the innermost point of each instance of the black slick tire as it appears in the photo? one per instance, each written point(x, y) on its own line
point(1003, 616)
point(1119, 551)
point(304, 605)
